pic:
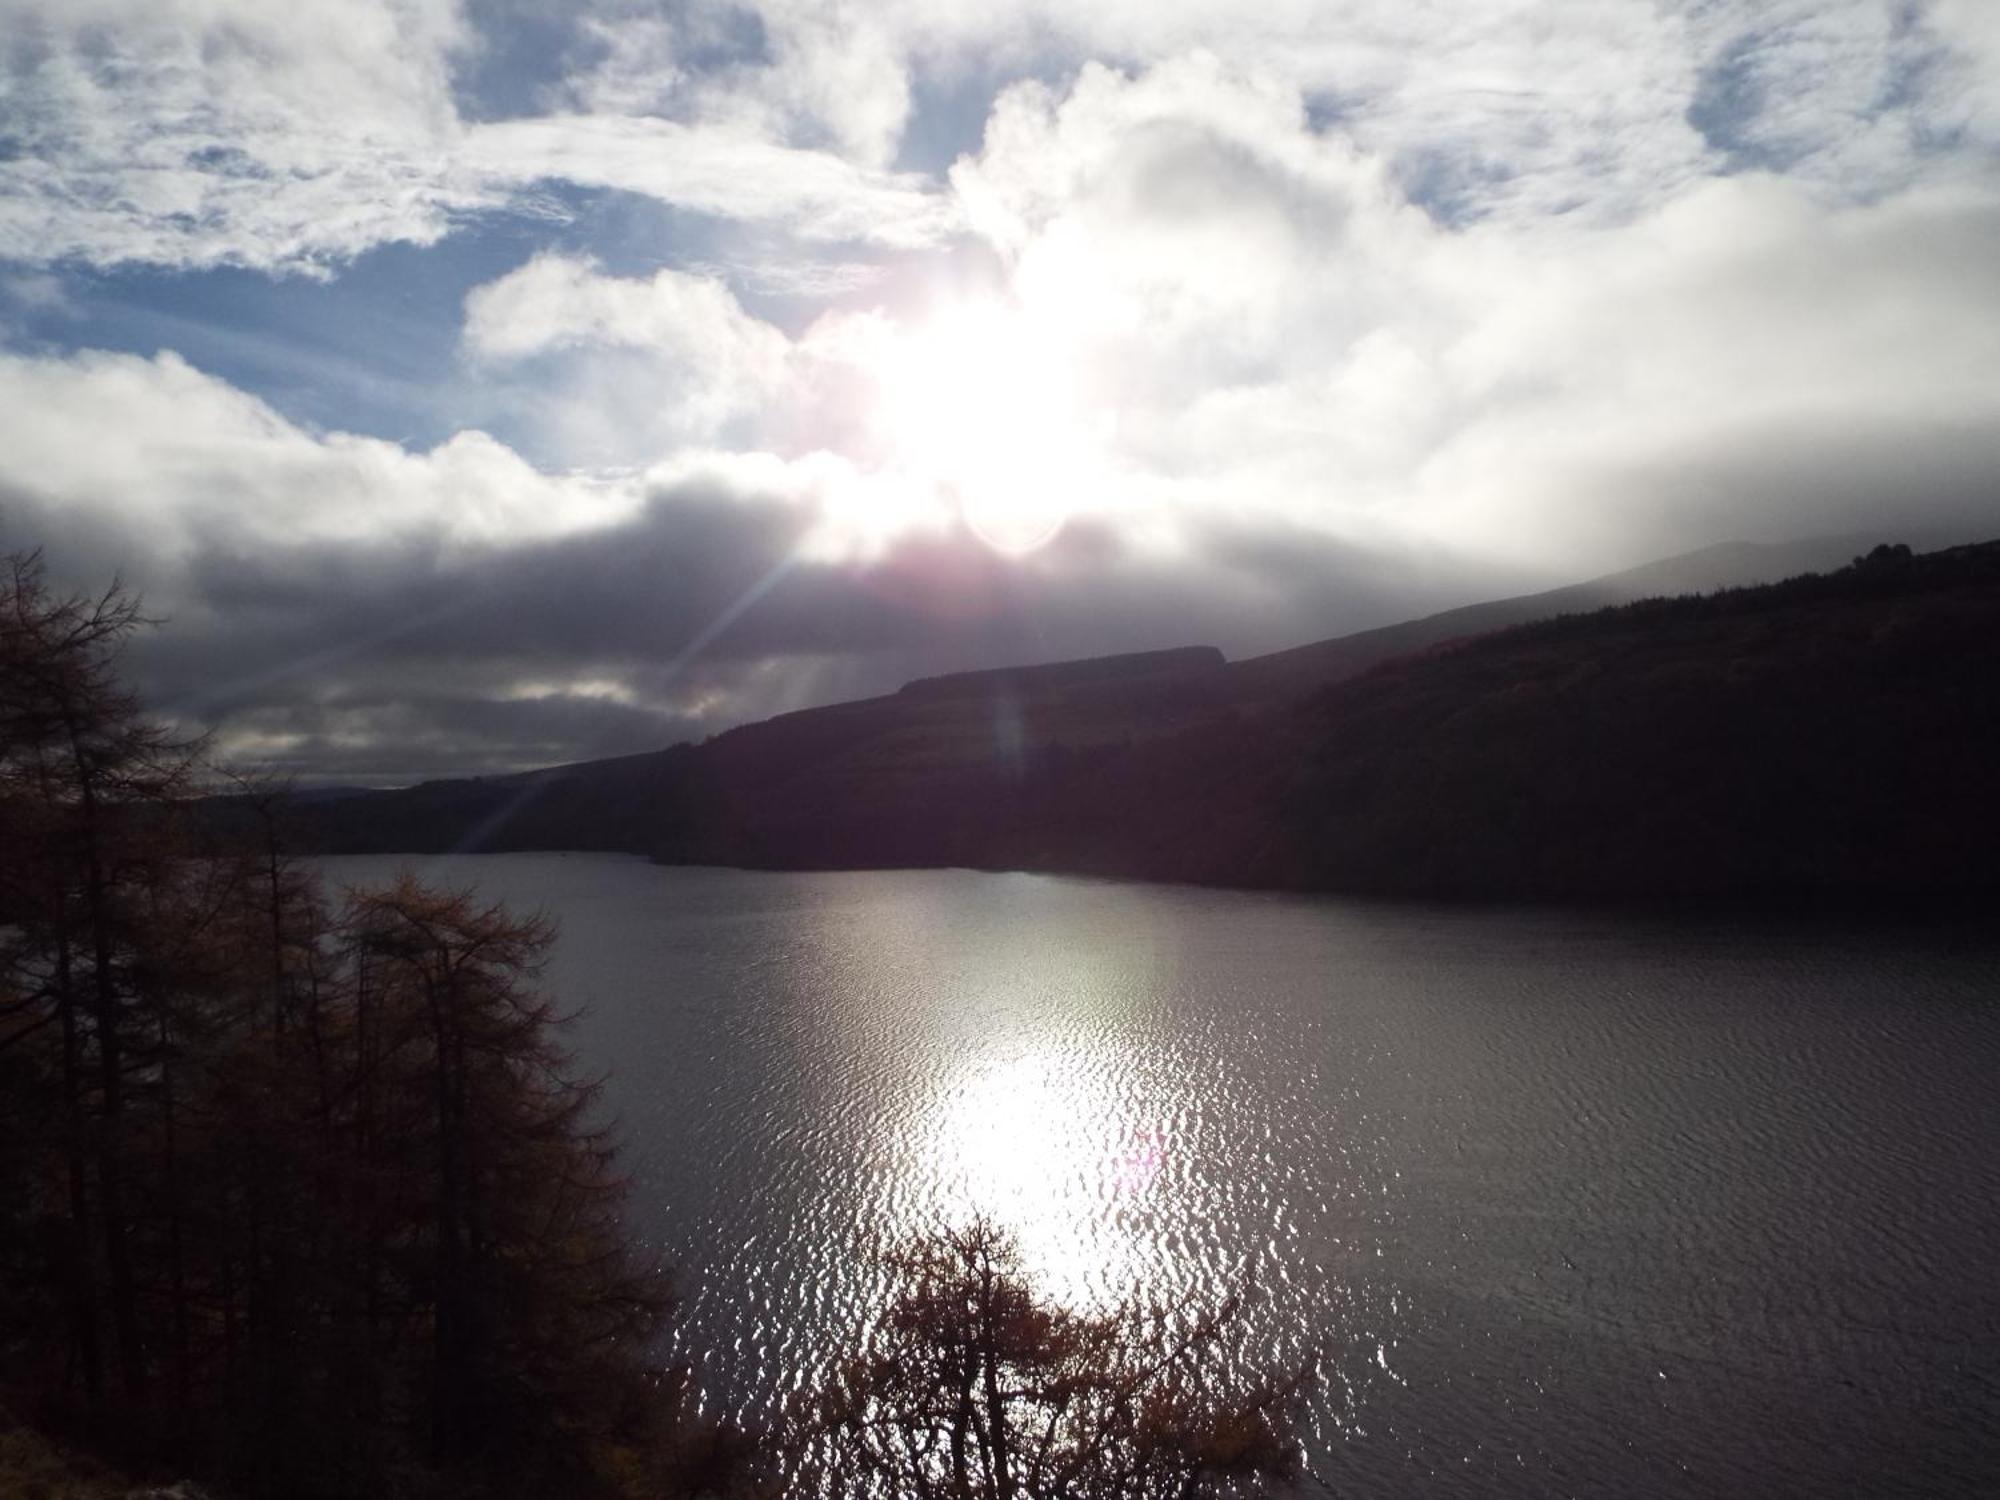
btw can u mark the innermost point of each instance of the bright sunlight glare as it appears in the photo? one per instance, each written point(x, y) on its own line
point(1039, 1144)
point(981, 404)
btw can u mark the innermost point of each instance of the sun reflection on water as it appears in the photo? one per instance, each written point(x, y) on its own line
point(1055, 1059)
point(1039, 1143)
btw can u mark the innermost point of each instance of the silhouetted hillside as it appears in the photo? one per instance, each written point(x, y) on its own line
point(1830, 736)
point(1097, 672)
point(839, 780)
point(1729, 565)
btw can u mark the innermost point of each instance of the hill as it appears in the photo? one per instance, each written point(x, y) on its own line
point(1825, 737)
point(1828, 737)
point(1728, 565)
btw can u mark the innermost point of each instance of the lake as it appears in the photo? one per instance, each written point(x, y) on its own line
point(1566, 1203)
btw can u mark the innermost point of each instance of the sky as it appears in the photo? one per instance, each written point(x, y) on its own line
point(470, 385)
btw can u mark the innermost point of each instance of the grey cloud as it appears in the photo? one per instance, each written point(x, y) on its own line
point(376, 741)
point(1929, 482)
point(386, 661)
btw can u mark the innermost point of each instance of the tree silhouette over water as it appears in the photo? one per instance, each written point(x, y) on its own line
point(973, 1388)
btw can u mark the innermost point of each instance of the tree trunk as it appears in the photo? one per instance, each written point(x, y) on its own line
point(82, 1271)
point(448, 1376)
point(110, 1065)
point(996, 1408)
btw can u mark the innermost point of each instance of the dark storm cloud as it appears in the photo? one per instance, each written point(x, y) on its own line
point(393, 660)
point(641, 592)
point(366, 739)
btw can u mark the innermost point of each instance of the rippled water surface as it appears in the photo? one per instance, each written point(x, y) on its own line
point(1573, 1204)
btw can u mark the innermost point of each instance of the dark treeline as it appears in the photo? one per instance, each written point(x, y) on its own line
point(301, 1197)
point(1825, 739)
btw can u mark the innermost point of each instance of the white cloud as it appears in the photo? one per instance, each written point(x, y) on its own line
point(1525, 108)
point(556, 301)
point(151, 464)
point(836, 68)
point(1269, 330)
point(830, 75)
point(1434, 266)
point(626, 369)
point(201, 132)
point(1964, 93)
point(194, 133)
point(727, 171)
point(1747, 361)
point(1211, 305)
point(639, 72)
point(181, 460)
point(37, 291)
point(1559, 105)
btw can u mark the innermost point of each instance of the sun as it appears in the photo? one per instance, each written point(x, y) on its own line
point(982, 404)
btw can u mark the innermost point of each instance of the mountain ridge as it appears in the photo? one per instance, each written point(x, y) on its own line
point(1178, 765)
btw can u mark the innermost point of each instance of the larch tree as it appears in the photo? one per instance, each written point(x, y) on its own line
point(301, 1197)
point(84, 780)
point(973, 1388)
point(535, 1308)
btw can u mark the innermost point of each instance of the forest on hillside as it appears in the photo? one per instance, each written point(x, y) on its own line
point(1824, 739)
point(1830, 738)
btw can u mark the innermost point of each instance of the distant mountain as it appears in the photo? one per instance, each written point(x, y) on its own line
point(1817, 737)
